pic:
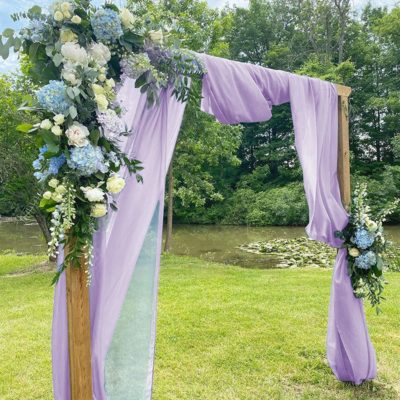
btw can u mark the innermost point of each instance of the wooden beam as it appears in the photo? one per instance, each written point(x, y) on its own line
point(343, 145)
point(80, 363)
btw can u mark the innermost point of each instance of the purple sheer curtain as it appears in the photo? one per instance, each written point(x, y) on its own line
point(235, 92)
point(118, 245)
point(127, 247)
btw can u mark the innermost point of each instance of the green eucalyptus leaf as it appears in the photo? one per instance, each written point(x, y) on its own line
point(8, 33)
point(57, 59)
point(72, 112)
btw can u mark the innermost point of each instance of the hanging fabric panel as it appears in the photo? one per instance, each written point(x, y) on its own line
point(126, 264)
point(236, 92)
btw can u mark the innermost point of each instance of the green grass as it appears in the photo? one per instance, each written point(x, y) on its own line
point(13, 263)
point(224, 333)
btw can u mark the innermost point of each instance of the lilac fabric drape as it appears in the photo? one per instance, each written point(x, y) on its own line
point(125, 274)
point(235, 92)
point(118, 246)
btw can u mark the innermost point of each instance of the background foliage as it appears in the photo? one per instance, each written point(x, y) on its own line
point(250, 174)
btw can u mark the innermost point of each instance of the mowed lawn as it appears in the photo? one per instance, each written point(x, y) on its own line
point(224, 333)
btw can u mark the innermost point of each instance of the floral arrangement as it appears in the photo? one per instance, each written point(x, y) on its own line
point(79, 54)
point(367, 248)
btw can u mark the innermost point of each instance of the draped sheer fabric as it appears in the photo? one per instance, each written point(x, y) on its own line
point(123, 293)
point(235, 92)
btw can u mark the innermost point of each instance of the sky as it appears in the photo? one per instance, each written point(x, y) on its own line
point(8, 7)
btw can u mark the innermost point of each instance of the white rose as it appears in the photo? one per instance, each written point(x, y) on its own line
point(372, 226)
point(46, 124)
point(102, 77)
point(74, 53)
point(59, 119)
point(56, 130)
point(127, 18)
point(98, 89)
point(61, 189)
point(110, 83)
point(47, 195)
point(100, 53)
point(77, 135)
point(115, 184)
point(53, 182)
point(69, 74)
point(157, 36)
point(65, 6)
point(76, 19)
point(67, 15)
point(57, 197)
point(66, 35)
point(101, 101)
point(98, 210)
point(354, 252)
point(58, 16)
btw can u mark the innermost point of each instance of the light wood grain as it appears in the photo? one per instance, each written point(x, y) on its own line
point(343, 145)
point(79, 333)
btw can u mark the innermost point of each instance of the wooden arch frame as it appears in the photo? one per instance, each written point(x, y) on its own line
point(79, 342)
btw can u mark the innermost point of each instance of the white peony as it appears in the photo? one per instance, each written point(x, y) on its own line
point(100, 53)
point(56, 130)
point(115, 184)
point(157, 36)
point(74, 53)
point(94, 195)
point(59, 119)
point(101, 101)
point(47, 195)
point(67, 15)
point(76, 19)
point(98, 210)
point(127, 18)
point(53, 183)
point(77, 135)
point(66, 35)
point(58, 16)
point(46, 124)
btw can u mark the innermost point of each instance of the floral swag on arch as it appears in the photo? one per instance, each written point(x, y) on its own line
point(82, 55)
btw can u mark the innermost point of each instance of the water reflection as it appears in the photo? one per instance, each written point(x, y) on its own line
point(209, 242)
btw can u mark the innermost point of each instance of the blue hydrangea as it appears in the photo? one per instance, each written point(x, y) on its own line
point(53, 97)
point(54, 165)
point(366, 260)
point(106, 25)
point(363, 239)
point(87, 160)
point(38, 31)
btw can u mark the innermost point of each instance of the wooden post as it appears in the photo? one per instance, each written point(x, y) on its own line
point(80, 363)
point(344, 145)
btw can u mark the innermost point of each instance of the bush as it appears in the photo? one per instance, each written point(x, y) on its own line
point(277, 206)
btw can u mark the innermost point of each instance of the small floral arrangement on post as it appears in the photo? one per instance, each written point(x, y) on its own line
point(79, 54)
point(366, 245)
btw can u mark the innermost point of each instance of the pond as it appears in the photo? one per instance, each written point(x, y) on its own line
point(209, 242)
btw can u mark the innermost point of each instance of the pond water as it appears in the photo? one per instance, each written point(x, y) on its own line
point(209, 242)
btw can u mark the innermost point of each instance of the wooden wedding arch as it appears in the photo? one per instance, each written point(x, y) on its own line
point(78, 293)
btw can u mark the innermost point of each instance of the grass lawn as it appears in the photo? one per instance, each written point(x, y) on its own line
point(224, 333)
